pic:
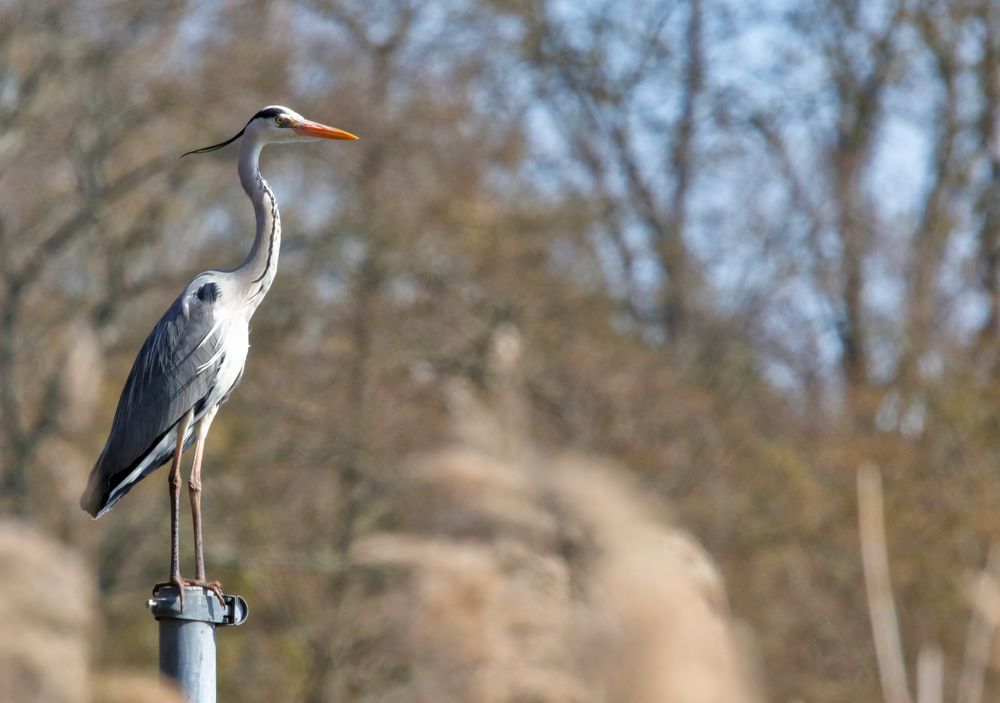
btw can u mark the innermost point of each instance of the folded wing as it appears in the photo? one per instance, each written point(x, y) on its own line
point(174, 372)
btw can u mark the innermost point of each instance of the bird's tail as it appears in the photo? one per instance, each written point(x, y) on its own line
point(106, 486)
point(92, 499)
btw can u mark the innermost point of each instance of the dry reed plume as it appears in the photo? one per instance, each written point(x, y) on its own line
point(532, 577)
point(47, 603)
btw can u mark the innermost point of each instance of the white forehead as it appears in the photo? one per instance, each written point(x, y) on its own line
point(284, 110)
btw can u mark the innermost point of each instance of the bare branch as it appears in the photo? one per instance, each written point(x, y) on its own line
point(982, 630)
point(930, 675)
point(881, 606)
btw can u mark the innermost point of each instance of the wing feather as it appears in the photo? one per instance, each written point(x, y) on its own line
point(174, 372)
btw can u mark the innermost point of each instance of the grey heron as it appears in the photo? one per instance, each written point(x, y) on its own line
point(194, 357)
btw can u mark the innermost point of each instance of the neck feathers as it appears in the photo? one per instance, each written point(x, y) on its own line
point(258, 270)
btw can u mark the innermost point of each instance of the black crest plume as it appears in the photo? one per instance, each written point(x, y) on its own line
point(215, 147)
point(267, 112)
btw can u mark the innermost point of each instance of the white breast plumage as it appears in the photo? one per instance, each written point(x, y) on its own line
point(232, 335)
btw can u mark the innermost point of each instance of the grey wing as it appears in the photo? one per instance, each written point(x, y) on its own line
point(173, 373)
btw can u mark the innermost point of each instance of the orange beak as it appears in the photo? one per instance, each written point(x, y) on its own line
point(315, 129)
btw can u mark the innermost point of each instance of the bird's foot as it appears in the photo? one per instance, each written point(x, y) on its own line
point(213, 586)
point(174, 582)
point(179, 582)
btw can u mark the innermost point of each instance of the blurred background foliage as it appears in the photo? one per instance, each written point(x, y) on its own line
point(745, 247)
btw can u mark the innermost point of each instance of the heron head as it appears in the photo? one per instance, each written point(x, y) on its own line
point(276, 124)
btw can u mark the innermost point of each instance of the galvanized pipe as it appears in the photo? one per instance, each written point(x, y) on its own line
point(187, 637)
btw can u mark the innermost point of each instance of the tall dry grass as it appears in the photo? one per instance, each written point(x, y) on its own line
point(46, 607)
point(47, 612)
point(514, 574)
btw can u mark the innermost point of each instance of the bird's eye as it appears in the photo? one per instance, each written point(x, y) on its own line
point(281, 121)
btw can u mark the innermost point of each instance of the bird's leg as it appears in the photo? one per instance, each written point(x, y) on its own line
point(174, 482)
point(194, 490)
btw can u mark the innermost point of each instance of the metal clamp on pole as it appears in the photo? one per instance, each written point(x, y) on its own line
point(187, 636)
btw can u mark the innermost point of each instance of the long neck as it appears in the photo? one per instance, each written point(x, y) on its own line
point(256, 273)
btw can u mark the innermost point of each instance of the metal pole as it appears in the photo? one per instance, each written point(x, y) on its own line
point(187, 637)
